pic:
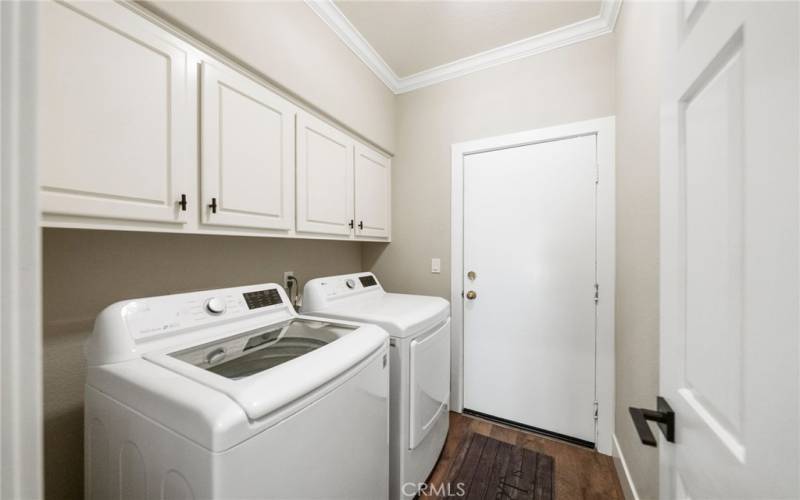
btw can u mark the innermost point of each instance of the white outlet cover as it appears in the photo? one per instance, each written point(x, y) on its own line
point(436, 265)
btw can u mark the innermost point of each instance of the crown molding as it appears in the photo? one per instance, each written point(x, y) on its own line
point(601, 24)
point(344, 29)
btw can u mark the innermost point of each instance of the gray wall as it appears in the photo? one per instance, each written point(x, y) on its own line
point(638, 98)
point(84, 271)
point(561, 86)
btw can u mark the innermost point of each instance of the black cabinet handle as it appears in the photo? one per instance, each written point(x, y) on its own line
point(361, 224)
point(182, 203)
point(213, 205)
point(351, 223)
point(664, 416)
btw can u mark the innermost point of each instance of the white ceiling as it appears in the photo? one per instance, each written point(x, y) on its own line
point(413, 36)
point(410, 44)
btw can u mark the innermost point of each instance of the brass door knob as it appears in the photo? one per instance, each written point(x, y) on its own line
point(471, 295)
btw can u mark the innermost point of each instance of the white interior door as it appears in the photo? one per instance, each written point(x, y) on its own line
point(324, 178)
point(373, 177)
point(529, 237)
point(115, 114)
point(729, 250)
point(247, 152)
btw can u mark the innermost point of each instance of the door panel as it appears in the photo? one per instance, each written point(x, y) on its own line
point(115, 115)
point(247, 152)
point(372, 193)
point(729, 250)
point(712, 121)
point(529, 237)
point(324, 178)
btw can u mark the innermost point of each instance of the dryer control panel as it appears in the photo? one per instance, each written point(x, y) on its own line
point(320, 291)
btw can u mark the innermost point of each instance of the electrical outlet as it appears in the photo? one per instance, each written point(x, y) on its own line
point(436, 266)
point(286, 275)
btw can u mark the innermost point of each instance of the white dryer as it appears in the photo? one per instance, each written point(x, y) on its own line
point(419, 327)
point(230, 394)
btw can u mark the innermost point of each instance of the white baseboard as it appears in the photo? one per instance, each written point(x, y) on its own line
point(625, 479)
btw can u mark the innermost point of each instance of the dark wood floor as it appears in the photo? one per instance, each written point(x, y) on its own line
point(580, 473)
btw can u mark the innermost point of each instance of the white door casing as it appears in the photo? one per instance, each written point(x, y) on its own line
point(601, 131)
point(21, 436)
point(729, 250)
point(247, 144)
point(373, 184)
point(324, 178)
point(115, 115)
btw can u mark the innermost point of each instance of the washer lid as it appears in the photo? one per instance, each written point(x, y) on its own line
point(261, 349)
point(399, 314)
point(266, 368)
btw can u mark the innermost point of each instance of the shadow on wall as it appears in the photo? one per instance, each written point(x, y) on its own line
point(85, 271)
point(371, 254)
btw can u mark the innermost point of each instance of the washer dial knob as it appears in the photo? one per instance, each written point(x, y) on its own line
point(351, 283)
point(215, 305)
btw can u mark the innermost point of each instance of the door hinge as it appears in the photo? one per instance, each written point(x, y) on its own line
point(596, 293)
point(596, 409)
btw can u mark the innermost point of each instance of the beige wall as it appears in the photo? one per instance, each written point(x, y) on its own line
point(638, 97)
point(290, 45)
point(84, 271)
point(561, 86)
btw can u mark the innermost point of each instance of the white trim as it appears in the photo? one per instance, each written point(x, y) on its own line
point(599, 25)
point(623, 473)
point(21, 462)
point(604, 129)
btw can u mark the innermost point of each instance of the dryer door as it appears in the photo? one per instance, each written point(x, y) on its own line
point(430, 381)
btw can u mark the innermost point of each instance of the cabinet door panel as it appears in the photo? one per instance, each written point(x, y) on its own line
point(324, 178)
point(115, 116)
point(372, 194)
point(247, 152)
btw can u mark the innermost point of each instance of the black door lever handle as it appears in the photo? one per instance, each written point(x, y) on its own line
point(664, 416)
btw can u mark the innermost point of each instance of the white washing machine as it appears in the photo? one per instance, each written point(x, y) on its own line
point(419, 327)
point(229, 394)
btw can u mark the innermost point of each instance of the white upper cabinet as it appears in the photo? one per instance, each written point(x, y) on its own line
point(141, 129)
point(247, 144)
point(115, 122)
point(372, 193)
point(324, 178)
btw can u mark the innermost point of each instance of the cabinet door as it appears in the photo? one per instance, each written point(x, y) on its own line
point(373, 190)
point(247, 148)
point(324, 178)
point(115, 119)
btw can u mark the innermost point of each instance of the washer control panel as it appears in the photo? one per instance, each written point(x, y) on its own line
point(262, 298)
point(155, 316)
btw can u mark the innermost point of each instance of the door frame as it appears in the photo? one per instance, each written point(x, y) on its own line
point(21, 435)
point(603, 129)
